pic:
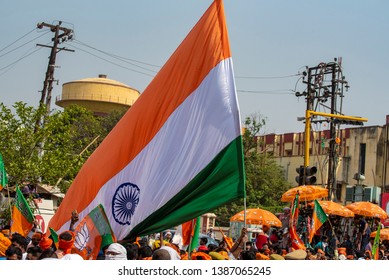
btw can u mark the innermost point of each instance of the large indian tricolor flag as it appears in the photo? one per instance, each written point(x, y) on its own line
point(177, 153)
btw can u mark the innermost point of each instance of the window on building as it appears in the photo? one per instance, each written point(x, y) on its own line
point(366, 194)
point(338, 192)
point(350, 194)
point(362, 158)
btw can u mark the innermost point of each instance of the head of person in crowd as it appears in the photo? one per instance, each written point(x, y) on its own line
point(48, 254)
point(212, 247)
point(298, 254)
point(132, 251)
point(310, 254)
point(20, 241)
point(247, 255)
point(173, 252)
point(116, 251)
point(45, 243)
point(145, 252)
point(203, 245)
point(65, 243)
point(143, 242)
point(36, 238)
point(320, 255)
point(266, 229)
point(168, 236)
point(6, 230)
point(33, 253)
point(72, 257)
point(249, 245)
point(14, 252)
point(368, 255)
point(223, 244)
point(161, 254)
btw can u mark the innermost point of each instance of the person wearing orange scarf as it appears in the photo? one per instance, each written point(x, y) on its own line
point(45, 243)
point(201, 256)
point(65, 243)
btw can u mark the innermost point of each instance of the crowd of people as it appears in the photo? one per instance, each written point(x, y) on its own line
point(338, 239)
point(268, 244)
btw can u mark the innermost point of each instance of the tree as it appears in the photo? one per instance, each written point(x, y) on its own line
point(54, 153)
point(265, 180)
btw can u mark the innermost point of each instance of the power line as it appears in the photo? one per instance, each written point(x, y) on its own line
point(116, 64)
point(276, 91)
point(18, 39)
point(264, 78)
point(118, 56)
point(16, 61)
point(23, 44)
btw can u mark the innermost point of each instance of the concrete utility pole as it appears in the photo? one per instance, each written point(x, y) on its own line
point(61, 34)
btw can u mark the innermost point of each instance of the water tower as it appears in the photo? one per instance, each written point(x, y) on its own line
point(100, 95)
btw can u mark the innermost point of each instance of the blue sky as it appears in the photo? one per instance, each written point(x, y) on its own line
point(269, 40)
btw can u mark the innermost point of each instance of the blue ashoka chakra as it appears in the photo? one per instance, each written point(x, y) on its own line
point(124, 202)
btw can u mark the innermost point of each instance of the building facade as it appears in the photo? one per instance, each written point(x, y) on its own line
point(361, 159)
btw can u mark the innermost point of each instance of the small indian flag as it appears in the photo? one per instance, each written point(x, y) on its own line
point(22, 217)
point(319, 217)
point(177, 152)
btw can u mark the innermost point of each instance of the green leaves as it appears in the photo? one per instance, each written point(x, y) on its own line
point(265, 179)
point(56, 150)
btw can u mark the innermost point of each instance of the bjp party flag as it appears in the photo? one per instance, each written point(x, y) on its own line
point(22, 217)
point(319, 217)
point(93, 233)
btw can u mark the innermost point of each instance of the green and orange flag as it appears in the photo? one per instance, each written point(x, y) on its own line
point(93, 233)
point(297, 243)
point(319, 217)
point(22, 216)
point(3, 174)
point(54, 237)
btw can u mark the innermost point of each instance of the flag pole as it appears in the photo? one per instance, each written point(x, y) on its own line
point(9, 202)
point(245, 222)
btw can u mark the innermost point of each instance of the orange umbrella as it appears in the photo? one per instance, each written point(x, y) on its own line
point(384, 234)
point(368, 209)
point(309, 192)
point(256, 216)
point(333, 208)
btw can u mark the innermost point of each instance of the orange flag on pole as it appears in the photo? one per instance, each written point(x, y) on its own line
point(297, 243)
point(319, 217)
point(228, 240)
point(188, 231)
point(22, 217)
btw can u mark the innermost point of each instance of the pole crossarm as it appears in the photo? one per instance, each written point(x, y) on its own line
point(335, 116)
point(308, 115)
